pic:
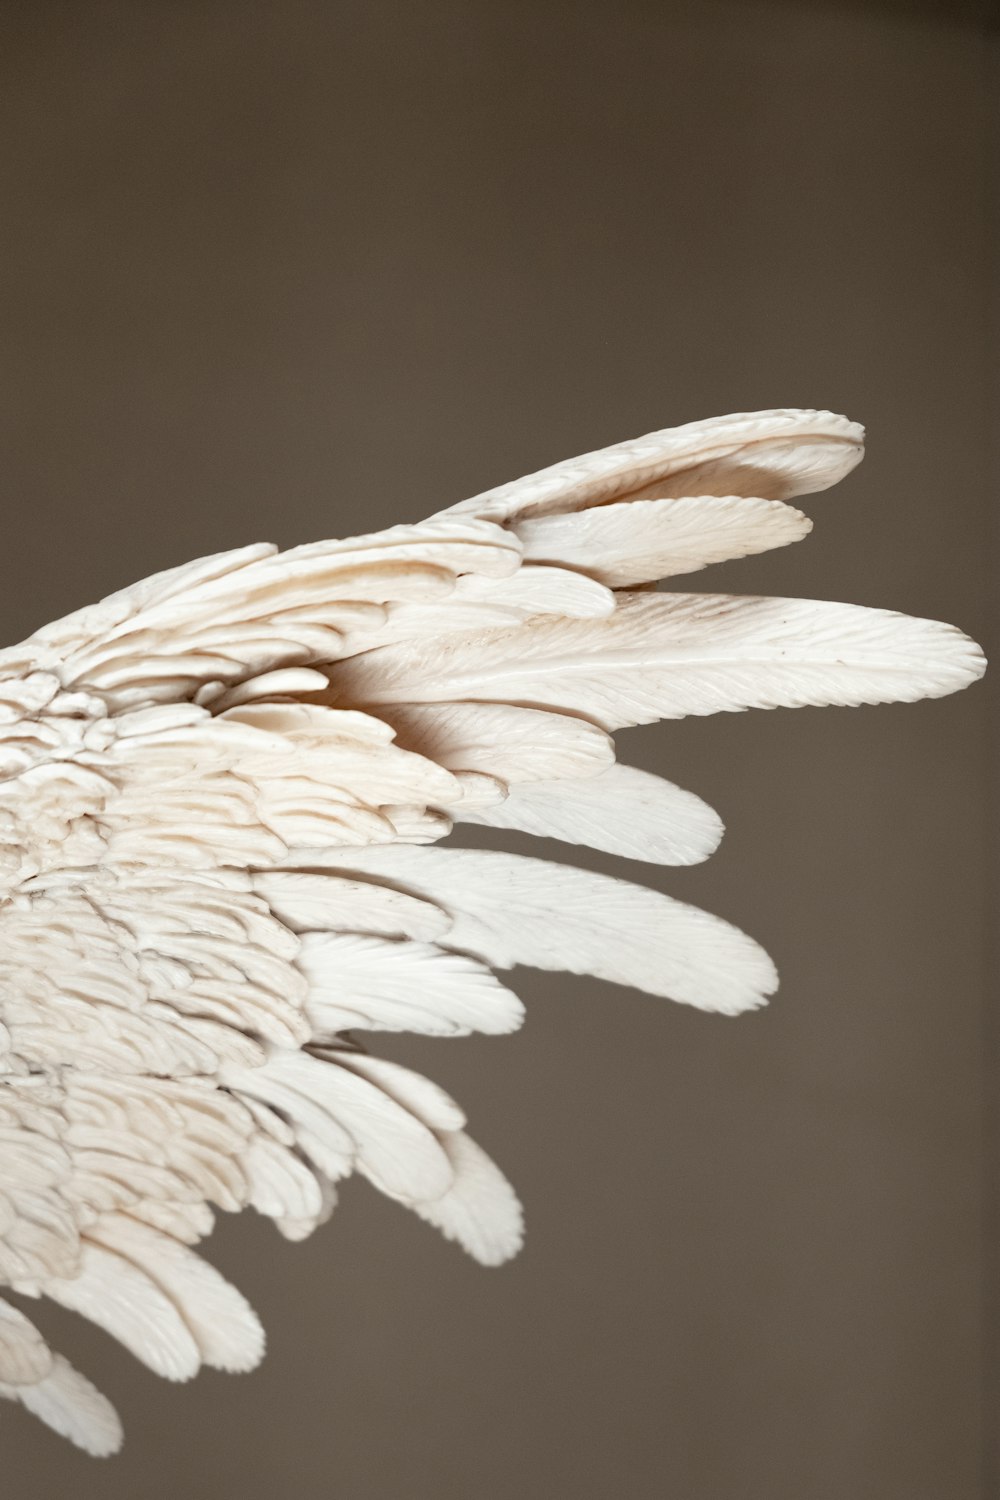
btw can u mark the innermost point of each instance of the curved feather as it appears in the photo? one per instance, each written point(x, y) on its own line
point(120, 1297)
point(66, 1401)
point(772, 454)
point(622, 811)
point(663, 656)
point(641, 540)
point(505, 740)
point(221, 1322)
point(480, 1210)
point(367, 982)
point(507, 909)
point(24, 1355)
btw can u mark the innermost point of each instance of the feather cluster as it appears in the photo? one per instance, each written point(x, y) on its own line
point(221, 797)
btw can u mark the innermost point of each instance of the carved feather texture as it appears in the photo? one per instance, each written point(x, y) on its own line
point(622, 811)
point(221, 792)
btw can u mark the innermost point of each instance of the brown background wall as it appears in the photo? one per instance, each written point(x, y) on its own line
point(284, 270)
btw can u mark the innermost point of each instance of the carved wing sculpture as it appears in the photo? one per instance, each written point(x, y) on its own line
point(223, 796)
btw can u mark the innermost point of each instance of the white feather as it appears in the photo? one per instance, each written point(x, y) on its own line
point(662, 656)
point(307, 902)
point(422, 1098)
point(386, 1142)
point(359, 981)
point(281, 1185)
point(25, 1357)
point(122, 1299)
point(510, 910)
point(773, 454)
point(640, 540)
point(67, 1402)
point(501, 739)
point(622, 811)
point(535, 590)
point(221, 1321)
point(480, 1210)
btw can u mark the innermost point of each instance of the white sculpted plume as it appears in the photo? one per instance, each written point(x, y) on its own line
point(221, 796)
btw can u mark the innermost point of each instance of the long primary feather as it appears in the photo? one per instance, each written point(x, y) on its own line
point(666, 656)
point(508, 909)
